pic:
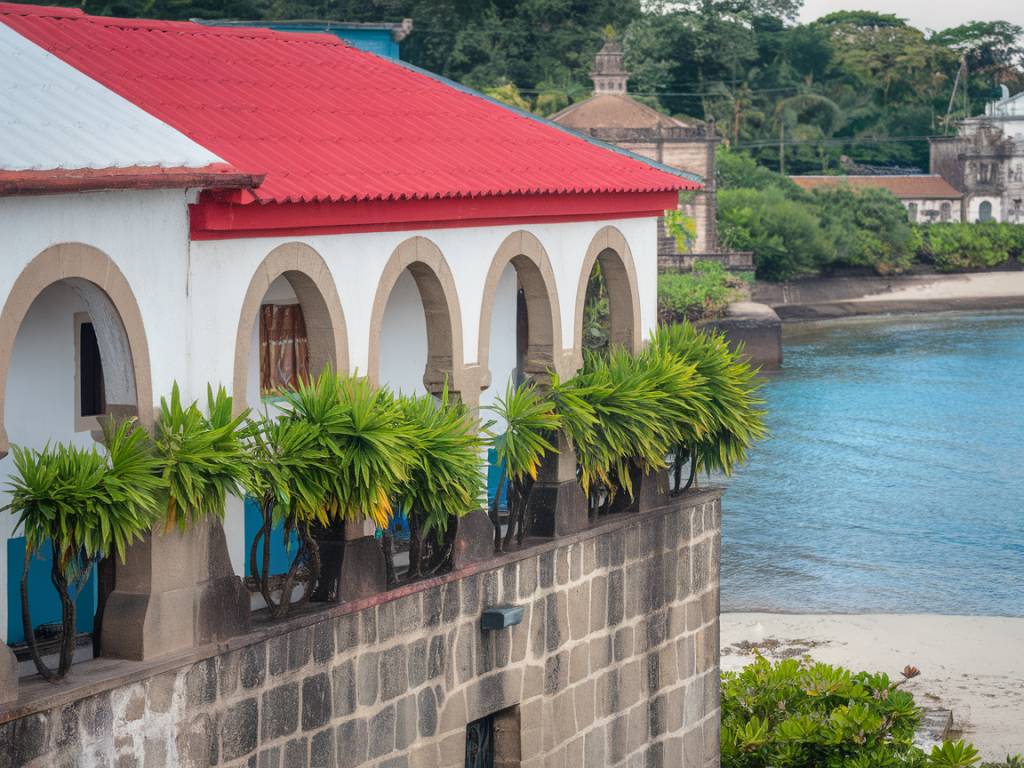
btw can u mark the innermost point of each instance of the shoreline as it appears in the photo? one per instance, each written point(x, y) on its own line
point(837, 298)
point(972, 665)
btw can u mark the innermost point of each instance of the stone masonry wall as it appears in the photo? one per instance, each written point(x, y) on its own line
point(614, 664)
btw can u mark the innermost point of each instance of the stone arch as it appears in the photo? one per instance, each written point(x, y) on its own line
point(436, 287)
point(120, 332)
point(310, 278)
point(609, 247)
point(524, 251)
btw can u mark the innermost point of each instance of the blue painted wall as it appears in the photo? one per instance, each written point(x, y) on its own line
point(44, 602)
point(376, 41)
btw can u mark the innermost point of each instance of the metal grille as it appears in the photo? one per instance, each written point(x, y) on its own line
point(480, 743)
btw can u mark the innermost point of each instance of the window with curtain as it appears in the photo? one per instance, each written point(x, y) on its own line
point(284, 347)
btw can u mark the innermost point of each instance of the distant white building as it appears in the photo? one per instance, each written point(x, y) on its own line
point(985, 161)
point(927, 198)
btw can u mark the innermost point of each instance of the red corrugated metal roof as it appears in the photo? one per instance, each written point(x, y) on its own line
point(325, 121)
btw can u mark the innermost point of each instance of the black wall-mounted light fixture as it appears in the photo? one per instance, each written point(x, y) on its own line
point(501, 617)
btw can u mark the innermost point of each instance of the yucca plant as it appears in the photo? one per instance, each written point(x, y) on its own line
point(291, 481)
point(623, 413)
point(530, 422)
point(85, 505)
point(445, 479)
point(203, 457)
point(731, 391)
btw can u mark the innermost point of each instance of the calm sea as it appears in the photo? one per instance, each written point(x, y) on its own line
point(893, 479)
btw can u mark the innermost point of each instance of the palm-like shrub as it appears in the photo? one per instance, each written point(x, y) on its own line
point(367, 439)
point(291, 481)
point(730, 389)
point(444, 480)
point(623, 413)
point(530, 420)
point(203, 455)
point(85, 505)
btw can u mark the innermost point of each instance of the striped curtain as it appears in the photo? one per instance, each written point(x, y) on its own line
point(284, 347)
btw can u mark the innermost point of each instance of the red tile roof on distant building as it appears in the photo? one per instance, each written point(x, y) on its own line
point(327, 123)
point(910, 187)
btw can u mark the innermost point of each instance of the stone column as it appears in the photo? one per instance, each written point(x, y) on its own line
point(363, 571)
point(151, 610)
point(8, 675)
point(557, 505)
point(222, 604)
point(174, 591)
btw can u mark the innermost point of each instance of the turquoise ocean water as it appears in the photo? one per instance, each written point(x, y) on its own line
point(893, 480)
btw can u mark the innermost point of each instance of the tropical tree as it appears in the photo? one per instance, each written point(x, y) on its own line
point(530, 424)
point(85, 505)
point(734, 419)
point(445, 480)
point(290, 479)
point(203, 457)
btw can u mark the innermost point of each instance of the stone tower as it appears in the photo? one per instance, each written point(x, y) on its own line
point(610, 75)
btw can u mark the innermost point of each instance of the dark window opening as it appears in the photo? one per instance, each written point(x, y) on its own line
point(522, 335)
point(480, 743)
point(90, 375)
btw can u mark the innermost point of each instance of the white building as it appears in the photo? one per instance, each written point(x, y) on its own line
point(166, 188)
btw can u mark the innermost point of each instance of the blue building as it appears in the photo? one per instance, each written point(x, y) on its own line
point(381, 38)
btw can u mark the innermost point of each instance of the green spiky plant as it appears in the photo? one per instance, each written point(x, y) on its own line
point(85, 504)
point(203, 456)
point(291, 481)
point(623, 413)
point(445, 480)
point(731, 391)
point(370, 451)
point(531, 421)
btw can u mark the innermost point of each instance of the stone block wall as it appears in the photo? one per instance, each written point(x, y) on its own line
point(614, 664)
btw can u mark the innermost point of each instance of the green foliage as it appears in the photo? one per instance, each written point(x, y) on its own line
point(802, 714)
point(735, 419)
point(869, 228)
point(785, 235)
point(623, 411)
point(953, 246)
point(367, 438)
point(530, 419)
point(444, 479)
point(203, 456)
point(703, 293)
point(87, 503)
point(508, 94)
point(738, 170)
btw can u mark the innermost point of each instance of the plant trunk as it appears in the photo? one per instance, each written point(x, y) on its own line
point(495, 520)
point(389, 558)
point(415, 547)
point(67, 610)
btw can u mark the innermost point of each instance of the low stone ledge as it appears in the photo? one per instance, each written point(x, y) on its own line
point(758, 328)
point(934, 729)
point(101, 675)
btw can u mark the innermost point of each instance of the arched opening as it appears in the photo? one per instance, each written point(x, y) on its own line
point(416, 325)
point(607, 300)
point(291, 327)
point(985, 211)
point(72, 350)
point(520, 329)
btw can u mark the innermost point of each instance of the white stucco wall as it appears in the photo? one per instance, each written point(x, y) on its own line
point(930, 211)
point(190, 296)
point(145, 234)
point(974, 208)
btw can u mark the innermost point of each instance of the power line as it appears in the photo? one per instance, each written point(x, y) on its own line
point(836, 141)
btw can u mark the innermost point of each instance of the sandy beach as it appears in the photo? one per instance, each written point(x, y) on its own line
point(988, 285)
point(973, 665)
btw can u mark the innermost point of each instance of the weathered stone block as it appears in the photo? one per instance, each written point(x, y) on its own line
point(382, 732)
point(252, 667)
point(474, 539)
point(321, 749)
point(394, 679)
point(316, 701)
point(344, 685)
point(367, 678)
point(405, 722)
point(280, 711)
point(427, 706)
point(351, 740)
point(296, 752)
point(238, 733)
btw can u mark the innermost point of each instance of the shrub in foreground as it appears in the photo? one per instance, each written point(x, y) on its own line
point(802, 714)
point(702, 293)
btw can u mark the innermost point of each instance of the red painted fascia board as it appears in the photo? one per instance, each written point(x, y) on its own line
point(214, 219)
point(64, 180)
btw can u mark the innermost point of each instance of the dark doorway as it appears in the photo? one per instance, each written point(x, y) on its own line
point(480, 743)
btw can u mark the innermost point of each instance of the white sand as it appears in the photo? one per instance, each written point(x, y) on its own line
point(972, 286)
point(972, 665)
